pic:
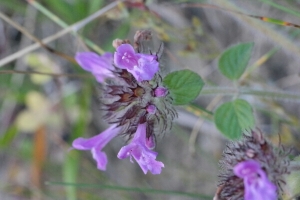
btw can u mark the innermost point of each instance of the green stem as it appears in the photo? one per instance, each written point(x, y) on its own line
point(277, 94)
point(132, 189)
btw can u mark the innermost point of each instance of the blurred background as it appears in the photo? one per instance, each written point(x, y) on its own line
point(40, 115)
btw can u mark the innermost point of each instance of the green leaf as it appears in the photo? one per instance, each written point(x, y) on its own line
point(234, 60)
point(293, 180)
point(232, 118)
point(184, 86)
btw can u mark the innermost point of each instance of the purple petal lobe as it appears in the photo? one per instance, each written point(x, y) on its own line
point(146, 68)
point(96, 144)
point(139, 151)
point(125, 57)
point(256, 183)
point(100, 66)
point(246, 168)
point(100, 158)
point(141, 66)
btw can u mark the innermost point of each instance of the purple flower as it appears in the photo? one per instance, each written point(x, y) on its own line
point(141, 66)
point(139, 151)
point(96, 144)
point(125, 57)
point(256, 183)
point(100, 66)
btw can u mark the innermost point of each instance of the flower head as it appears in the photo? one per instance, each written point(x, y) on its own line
point(249, 166)
point(256, 183)
point(96, 144)
point(129, 102)
point(139, 151)
point(100, 66)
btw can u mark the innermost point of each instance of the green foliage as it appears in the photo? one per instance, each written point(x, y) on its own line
point(184, 86)
point(70, 171)
point(234, 60)
point(293, 180)
point(66, 9)
point(8, 137)
point(232, 118)
point(121, 32)
point(12, 5)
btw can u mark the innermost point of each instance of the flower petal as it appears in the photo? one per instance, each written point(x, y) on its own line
point(86, 144)
point(96, 144)
point(246, 168)
point(256, 183)
point(262, 189)
point(100, 158)
point(140, 152)
point(146, 159)
point(125, 57)
point(126, 150)
point(146, 68)
point(100, 66)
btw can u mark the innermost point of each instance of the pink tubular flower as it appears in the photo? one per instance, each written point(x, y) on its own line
point(141, 66)
point(139, 151)
point(96, 144)
point(100, 66)
point(256, 183)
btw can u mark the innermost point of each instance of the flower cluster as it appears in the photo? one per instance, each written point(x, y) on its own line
point(252, 169)
point(134, 101)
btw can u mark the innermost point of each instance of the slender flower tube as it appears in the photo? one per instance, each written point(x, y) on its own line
point(96, 144)
point(139, 151)
point(256, 183)
point(100, 66)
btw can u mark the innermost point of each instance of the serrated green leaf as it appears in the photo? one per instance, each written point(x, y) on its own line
point(184, 86)
point(234, 60)
point(232, 118)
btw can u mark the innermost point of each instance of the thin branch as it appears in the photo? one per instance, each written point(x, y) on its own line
point(74, 27)
point(273, 94)
point(45, 73)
